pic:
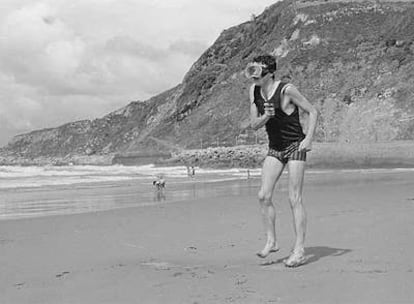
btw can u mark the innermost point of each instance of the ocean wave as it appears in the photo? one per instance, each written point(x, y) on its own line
point(34, 171)
point(41, 182)
point(32, 176)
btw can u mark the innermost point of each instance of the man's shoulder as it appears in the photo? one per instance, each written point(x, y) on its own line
point(288, 87)
point(252, 92)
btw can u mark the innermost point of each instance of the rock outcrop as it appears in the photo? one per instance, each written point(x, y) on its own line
point(353, 59)
point(398, 154)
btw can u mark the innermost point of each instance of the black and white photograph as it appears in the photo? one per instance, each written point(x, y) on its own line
point(206, 151)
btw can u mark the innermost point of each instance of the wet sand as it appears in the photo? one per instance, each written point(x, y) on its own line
point(360, 249)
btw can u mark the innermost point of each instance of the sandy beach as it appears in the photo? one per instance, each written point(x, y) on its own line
point(202, 249)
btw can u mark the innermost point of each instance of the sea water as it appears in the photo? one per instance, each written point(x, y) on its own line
point(30, 191)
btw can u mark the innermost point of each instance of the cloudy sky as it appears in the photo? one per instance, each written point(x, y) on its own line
point(66, 60)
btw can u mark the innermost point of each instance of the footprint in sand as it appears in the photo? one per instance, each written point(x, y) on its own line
point(119, 265)
point(191, 249)
point(5, 241)
point(19, 285)
point(62, 274)
point(158, 265)
point(240, 281)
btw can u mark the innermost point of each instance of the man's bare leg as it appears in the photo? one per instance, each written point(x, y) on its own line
point(296, 177)
point(272, 169)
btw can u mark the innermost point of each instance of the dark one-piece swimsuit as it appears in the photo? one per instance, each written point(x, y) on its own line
point(284, 131)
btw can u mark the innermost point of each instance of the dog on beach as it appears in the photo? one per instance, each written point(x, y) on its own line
point(159, 183)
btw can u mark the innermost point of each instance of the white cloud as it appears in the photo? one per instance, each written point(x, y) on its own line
point(64, 60)
point(40, 50)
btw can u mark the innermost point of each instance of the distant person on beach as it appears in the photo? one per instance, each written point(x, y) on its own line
point(159, 184)
point(190, 171)
point(275, 104)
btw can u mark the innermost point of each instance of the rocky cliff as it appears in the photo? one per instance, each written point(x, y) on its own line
point(353, 59)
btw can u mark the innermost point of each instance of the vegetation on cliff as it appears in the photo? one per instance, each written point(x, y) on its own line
point(353, 59)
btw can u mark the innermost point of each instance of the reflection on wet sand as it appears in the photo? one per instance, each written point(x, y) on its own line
point(97, 197)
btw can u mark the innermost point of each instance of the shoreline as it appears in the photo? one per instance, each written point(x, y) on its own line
point(79, 198)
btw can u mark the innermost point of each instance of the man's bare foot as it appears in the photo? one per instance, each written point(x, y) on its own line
point(269, 248)
point(297, 258)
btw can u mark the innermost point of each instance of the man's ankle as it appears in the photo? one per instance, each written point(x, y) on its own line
point(299, 250)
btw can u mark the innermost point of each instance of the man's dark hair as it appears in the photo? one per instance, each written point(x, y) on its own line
point(268, 60)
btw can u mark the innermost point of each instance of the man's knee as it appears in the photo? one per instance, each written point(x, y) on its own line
point(265, 197)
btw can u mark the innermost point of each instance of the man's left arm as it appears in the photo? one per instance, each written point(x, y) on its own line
point(297, 98)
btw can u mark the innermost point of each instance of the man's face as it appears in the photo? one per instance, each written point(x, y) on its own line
point(261, 79)
point(257, 72)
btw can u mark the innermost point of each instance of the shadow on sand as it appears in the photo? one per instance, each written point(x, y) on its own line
point(314, 254)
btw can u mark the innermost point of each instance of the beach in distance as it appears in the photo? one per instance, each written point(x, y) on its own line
point(107, 236)
point(395, 154)
point(332, 155)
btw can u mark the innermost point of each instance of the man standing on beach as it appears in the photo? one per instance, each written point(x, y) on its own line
point(275, 104)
